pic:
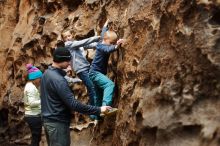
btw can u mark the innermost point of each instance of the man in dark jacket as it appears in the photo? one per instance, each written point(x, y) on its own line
point(57, 101)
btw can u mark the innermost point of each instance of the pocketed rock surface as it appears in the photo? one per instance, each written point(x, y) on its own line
point(167, 74)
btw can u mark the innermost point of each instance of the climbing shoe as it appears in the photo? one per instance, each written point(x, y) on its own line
point(110, 112)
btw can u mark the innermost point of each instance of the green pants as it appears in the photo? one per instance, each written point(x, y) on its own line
point(104, 88)
point(57, 133)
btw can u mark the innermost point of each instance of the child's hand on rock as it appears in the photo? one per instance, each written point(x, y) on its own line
point(120, 41)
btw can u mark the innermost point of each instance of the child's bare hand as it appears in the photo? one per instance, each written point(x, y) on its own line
point(120, 41)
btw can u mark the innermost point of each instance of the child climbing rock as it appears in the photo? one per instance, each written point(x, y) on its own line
point(79, 62)
point(32, 103)
point(104, 87)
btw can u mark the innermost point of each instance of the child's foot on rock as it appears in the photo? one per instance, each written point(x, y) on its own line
point(110, 112)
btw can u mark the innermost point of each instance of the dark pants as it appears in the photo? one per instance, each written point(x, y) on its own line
point(57, 133)
point(35, 125)
point(84, 76)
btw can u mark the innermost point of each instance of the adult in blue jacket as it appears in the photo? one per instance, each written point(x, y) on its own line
point(57, 101)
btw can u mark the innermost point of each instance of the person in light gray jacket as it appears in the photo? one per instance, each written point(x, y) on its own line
point(79, 62)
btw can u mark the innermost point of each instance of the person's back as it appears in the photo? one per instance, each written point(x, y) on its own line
point(52, 106)
point(100, 61)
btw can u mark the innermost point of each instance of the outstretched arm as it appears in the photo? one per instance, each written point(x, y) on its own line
point(112, 48)
point(69, 100)
point(106, 23)
point(104, 29)
point(91, 46)
point(81, 43)
point(108, 48)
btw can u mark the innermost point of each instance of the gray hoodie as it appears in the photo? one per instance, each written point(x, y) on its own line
point(79, 62)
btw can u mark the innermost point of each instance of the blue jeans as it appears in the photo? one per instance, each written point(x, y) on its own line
point(104, 88)
point(57, 133)
point(84, 76)
point(35, 125)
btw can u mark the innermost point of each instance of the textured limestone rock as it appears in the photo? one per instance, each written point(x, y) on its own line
point(167, 74)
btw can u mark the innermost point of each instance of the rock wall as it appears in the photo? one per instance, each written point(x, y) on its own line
point(167, 74)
